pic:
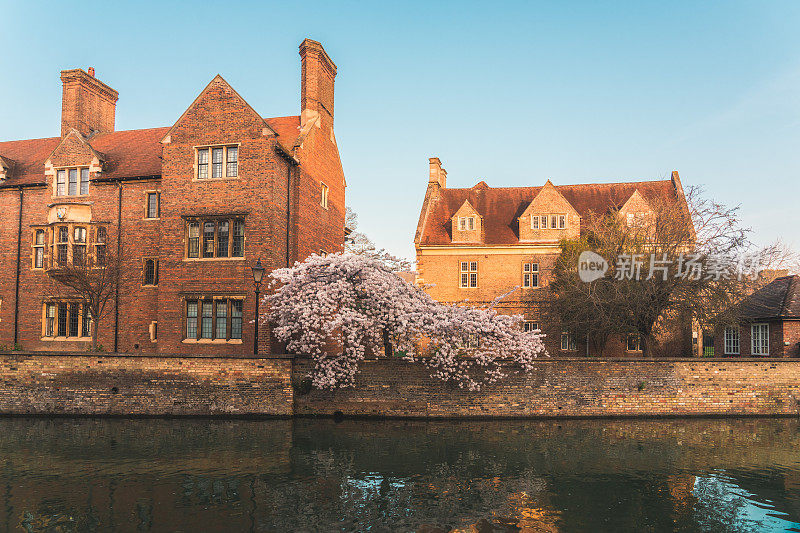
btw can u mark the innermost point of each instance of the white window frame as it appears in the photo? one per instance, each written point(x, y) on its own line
point(732, 340)
point(530, 325)
point(638, 344)
point(210, 162)
point(530, 275)
point(81, 171)
point(571, 342)
point(534, 221)
point(468, 274)
point(763, 338)
point(466, 223)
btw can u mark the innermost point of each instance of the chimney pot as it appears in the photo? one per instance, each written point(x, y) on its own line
point(91, 71)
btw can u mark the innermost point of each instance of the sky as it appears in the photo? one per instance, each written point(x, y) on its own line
point(505, 92)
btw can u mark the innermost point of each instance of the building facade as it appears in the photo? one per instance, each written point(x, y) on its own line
point(476, 244)
point(766, 324)
point(187, 209)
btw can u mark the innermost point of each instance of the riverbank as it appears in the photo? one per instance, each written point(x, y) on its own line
point(144, 385)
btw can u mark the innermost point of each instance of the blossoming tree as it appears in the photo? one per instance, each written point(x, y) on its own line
point(341, 307)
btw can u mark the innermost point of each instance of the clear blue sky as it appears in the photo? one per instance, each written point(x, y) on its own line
point(511, 93)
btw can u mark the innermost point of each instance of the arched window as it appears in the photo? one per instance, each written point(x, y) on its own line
point(150, 272)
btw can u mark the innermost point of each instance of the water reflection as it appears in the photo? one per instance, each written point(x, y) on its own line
point(315, 475)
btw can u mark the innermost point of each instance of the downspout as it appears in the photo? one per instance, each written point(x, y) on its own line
point(19, 257)
point(288, 210)
point(118, 260)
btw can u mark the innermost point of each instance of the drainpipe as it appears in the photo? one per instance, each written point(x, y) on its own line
point(119, 260)
point(19, 257)
point(288, 210)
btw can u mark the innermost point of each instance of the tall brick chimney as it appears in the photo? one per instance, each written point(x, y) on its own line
point(316, 82)
point(87, 104)
point(438, 174)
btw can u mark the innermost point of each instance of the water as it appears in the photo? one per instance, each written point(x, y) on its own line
point(65, 475)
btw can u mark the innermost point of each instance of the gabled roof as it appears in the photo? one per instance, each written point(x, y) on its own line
point(502, 206)
point(779, 299)
point(127, 154)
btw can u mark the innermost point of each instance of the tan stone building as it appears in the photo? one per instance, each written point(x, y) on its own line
point(476, 244)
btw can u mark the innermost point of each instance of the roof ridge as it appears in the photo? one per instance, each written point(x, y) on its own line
point(594, 184)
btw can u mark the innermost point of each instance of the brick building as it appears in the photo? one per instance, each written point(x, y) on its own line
point(188, 208)
point(767, 324)
point(475, 244)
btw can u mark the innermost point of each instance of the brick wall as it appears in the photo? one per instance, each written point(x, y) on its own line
point(225, 386)
point(576, 387)
point(137, 385)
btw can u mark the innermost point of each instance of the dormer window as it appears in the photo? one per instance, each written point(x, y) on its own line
point(224, 162)
point(548, 221)
point(72, 181)
point(466, 223)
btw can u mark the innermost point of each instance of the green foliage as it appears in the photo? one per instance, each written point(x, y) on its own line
point(17, 347)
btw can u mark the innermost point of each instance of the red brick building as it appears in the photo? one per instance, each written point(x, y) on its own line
point(188, 208)
point(475, 244)
point(768, 323)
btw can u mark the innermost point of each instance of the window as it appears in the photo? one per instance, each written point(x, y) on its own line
point(61, 179)
point(466, 223)
point(153, 205)
point(100, 246)
point(84, 181)
point(79, 246)
point(68, 319)
point(72, 187)
point(50, 320)
point(568, 342)
point(150, 272)
point(324, 196)
point(220, 318)
point(232, 159)
point(153, 330)
point(548, 221)
point(72, 181)
point(529, 326)
point(38, 248)
point(224, 162)
point(221, 237)
point(759, 339)
point(469, 274)
point(634, 343)
point(731, 340)
point(62, 245)
point(193, 247)
point(530, 275)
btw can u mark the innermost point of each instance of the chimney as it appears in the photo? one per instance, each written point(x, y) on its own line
point(87, 104)
point(318, 73)
point(438, 175)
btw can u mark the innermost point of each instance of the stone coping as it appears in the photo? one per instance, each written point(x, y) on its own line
point(101, 355)
point(399, 359)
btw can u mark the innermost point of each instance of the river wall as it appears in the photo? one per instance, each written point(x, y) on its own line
point(271, 386)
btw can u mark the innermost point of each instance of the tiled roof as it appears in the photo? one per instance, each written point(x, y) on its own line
point(500, 207)
point(128, 153)
point(28, 157)
point(779, 299)
point(287, 128)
